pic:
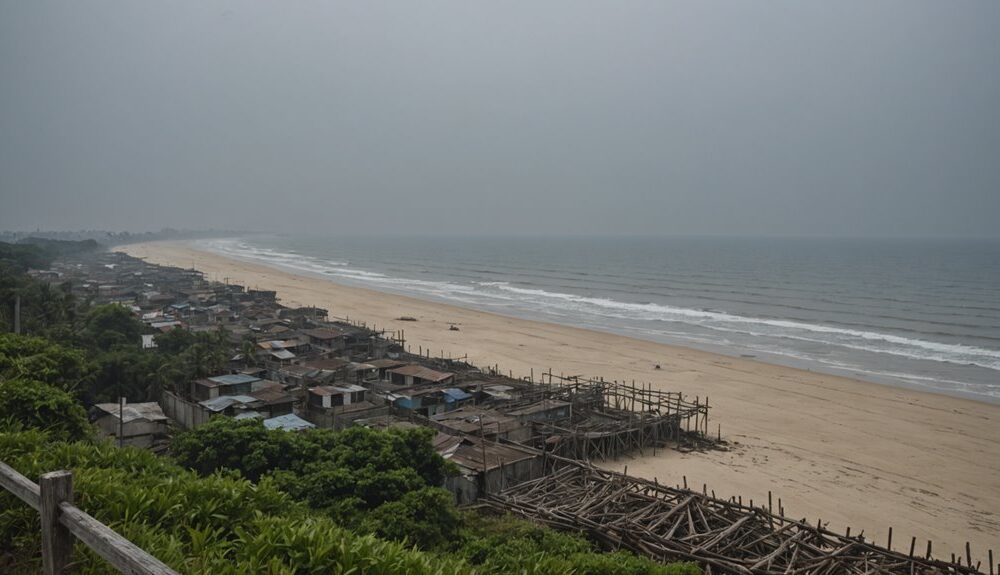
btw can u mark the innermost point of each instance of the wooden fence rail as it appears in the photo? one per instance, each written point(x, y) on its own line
point(62, 521)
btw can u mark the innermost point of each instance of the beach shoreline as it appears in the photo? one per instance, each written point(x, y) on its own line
point(849, 452)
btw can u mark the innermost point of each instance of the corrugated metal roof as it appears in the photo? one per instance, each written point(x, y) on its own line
point(351, 388)
point(386, 363)
point(282, 354)
point(456, 394)
point(467, 420)
point(336, 389)
point(360, 366)
point(132, 411)
point(422, 372)
point(226, 401)
point(233, 379)
point(288, 422)
point(469, 454)
point(540, 407)
point(273, 394)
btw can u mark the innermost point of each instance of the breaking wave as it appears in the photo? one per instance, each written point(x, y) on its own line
point(771, 335)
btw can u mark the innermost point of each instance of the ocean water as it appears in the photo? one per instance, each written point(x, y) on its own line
point(914, 313)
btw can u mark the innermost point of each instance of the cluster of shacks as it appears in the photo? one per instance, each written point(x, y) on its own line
point(522, 445)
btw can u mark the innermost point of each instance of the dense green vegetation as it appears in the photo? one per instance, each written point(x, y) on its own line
point(30, 404)
point(234, 497)
point(383, 482)
point(44, 310)
point(222, 524)
point(91, 350)
point(40, 359)
point(219, 524)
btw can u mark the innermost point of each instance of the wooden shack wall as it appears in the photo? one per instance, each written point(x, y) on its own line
point(336, 419)
point(187, 414)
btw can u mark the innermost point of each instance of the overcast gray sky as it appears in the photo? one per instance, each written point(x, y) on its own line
point(764, 117)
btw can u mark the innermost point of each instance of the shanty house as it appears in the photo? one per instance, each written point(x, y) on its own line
point(283, 350)
point(414, 374)
point(338, 405)
point(326, 338)
point(140, 424)
point(430, 401)
point(220, 385)
point(480, 421)
point(485, 467)
point(455, 398)
point(330, 396)
point(544, 410)
point(274, 400)
point(384, 365)
point(232, 404)
point(426, 401)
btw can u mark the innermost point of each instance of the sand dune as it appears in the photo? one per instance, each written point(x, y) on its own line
point(848, 452)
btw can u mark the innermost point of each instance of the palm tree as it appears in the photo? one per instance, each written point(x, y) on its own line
point(249, 351)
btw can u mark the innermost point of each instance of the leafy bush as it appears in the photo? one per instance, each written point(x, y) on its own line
point(38, 358)
point(111, 325)
point(220, 524)
point(29, 404)
point(426, 517)
point(323, 465)
point(342, 473)
point(508, 545)
point(241, 445)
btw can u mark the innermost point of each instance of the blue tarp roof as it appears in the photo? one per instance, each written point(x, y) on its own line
point(289, 422)
point(455, 394)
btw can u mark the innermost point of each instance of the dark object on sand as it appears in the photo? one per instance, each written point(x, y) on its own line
point(406, 318)
point(657, 366)
point(453, 328)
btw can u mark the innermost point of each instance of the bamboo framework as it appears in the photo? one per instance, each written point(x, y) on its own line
point(673, 523)
point(611, 418)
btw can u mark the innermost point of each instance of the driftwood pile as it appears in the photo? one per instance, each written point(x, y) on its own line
point(675, 524)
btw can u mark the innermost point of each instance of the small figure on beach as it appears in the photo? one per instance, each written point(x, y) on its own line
point(657, 366)
point(453, 328)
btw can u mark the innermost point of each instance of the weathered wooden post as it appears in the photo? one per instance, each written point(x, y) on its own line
point(57, 541)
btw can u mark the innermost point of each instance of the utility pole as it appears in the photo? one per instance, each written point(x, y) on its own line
point(17, 314)
point(121, 421)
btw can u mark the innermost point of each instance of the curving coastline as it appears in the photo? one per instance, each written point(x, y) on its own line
point(849, 452)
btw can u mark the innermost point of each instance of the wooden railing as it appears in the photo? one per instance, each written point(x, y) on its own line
point(62, 521)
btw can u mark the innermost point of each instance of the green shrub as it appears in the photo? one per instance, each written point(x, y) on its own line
point(29, 404)
point(220, 524)
point(341, 472)
point(426, 518)
point(508, 545)
point(39, 359)
point(111, 325)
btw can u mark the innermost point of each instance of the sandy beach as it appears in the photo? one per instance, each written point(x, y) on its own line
point(849, 452)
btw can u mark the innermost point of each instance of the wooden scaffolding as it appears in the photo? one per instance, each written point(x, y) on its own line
point(724, 536)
